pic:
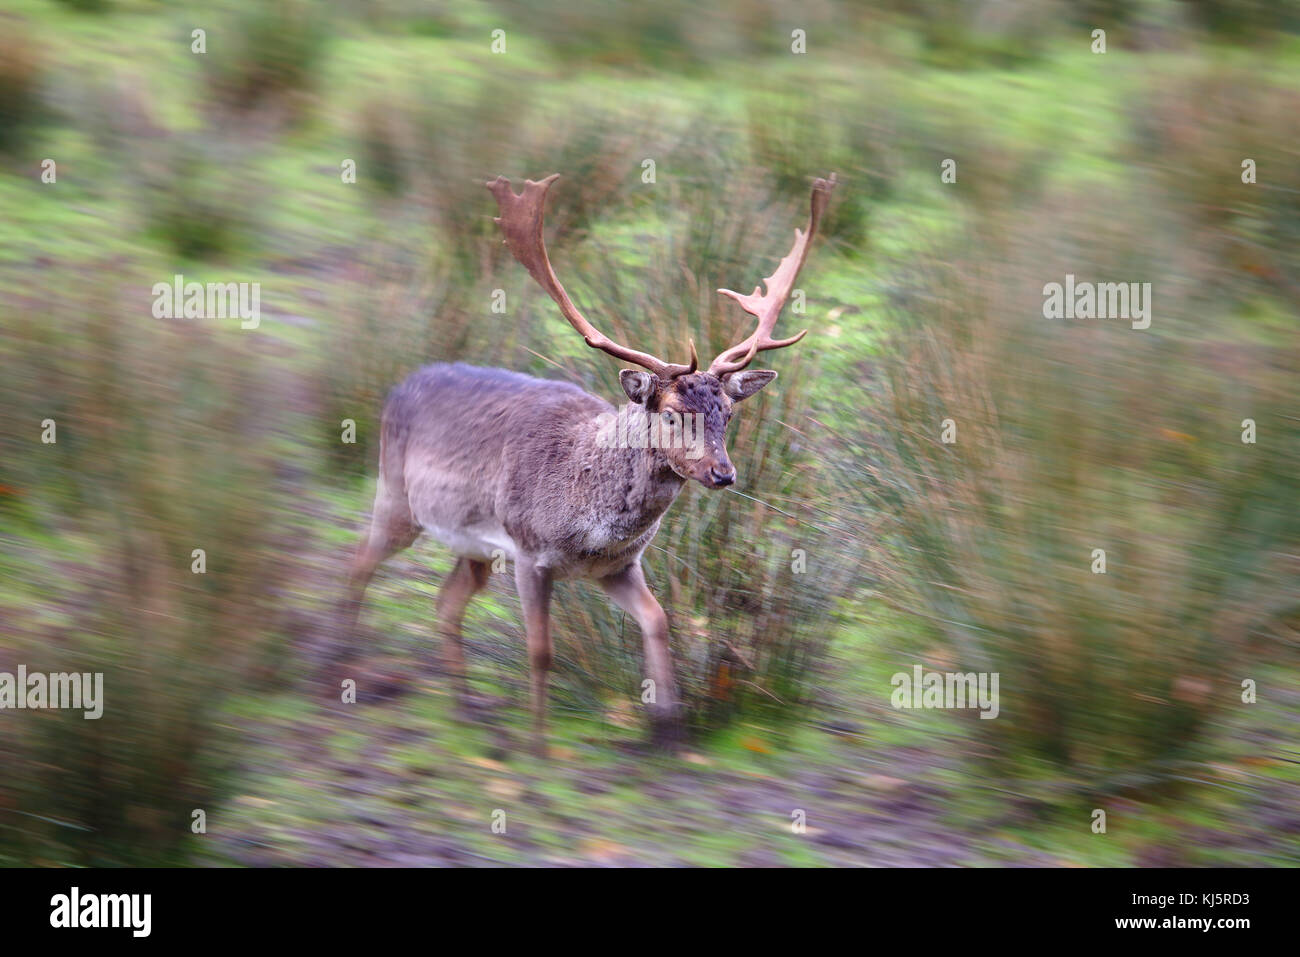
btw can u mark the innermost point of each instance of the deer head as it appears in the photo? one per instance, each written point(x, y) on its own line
point(667, 390)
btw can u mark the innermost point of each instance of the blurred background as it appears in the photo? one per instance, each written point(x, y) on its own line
point(1120, 692)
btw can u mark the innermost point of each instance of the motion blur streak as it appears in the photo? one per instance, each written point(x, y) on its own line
point(954, 475)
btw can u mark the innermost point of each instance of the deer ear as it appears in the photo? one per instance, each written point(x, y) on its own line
point(639, 386)
point(741, 385)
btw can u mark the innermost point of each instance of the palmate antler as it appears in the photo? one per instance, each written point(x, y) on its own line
point(766, 307)
point(521, 223)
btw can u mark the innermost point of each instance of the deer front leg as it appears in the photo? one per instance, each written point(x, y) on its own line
point(628, 590)
point(534, 586)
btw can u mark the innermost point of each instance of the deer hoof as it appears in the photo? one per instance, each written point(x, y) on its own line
point(666, 731)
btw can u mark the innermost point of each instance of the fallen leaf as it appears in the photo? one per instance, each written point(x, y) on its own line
point(602, 849)
point(505, 788)
point(251, 801)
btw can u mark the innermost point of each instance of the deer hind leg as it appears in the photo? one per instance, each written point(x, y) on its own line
point(534, 585)
point(627, 589)
point(467, 578)
point(391, 530)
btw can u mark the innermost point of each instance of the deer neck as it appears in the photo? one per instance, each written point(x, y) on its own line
point(629, 475)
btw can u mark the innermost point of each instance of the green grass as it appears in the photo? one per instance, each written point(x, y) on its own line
point(656, 809)
point(1064, 116)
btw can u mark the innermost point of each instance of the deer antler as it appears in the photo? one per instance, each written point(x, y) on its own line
point(766, 307)
point(521, 223)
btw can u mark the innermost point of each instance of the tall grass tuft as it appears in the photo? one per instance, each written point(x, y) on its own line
point(1074, 436)
point(1200, 135)
point(195, 198)
point(21, 73)
point(789, 131)
point(1251, 20)
point(167, 441)
point(267, 54)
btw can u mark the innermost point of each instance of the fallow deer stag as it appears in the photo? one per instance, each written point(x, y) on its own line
point(497, 464)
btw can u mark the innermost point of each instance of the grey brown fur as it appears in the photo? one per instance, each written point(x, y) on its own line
point(495, 463)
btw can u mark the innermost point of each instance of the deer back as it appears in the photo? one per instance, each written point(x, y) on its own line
point(490, 459)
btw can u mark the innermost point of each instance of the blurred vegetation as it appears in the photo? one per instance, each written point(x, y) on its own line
point(925, 303)
point(266, 51)
point(1188, 128)
point(164, 432)
point(20, 92)
point(1069, 438)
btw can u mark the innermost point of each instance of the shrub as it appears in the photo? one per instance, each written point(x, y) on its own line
point(195, 197)
point(1193, 132)
point(270, 51)
point(20, 86)
point(1246, 19)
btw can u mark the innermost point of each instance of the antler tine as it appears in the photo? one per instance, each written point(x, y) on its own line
point(767, 306)
point(521, 224)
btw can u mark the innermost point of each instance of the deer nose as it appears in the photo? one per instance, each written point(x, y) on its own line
point(724, 475)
